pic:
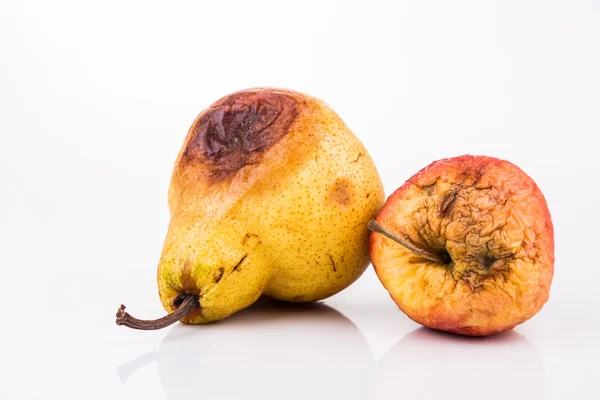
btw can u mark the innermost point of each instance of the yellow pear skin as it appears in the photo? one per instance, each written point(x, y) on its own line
point(270, 195)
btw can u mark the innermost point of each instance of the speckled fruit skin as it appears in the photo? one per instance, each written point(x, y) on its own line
point(288, 221)
point(493, 221)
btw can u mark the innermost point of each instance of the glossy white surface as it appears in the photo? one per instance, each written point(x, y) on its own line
point(356, 345)
point(95, 100)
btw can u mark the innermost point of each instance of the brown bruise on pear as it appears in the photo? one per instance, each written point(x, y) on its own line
point(237, 130)
point(492, 222)
point(291, 157)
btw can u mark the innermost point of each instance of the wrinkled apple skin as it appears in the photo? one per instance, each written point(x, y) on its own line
point(493, 221)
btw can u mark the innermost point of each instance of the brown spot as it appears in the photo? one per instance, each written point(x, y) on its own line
point(332, 263)
point(236, 267)
point(488, 260)
point(219, 274)
point(358, 157)
point(187, 280)
point(340, 192)
point(247, 237)
point(448, 203)
point(430, 189)
point(472, 175)
point(238, 129)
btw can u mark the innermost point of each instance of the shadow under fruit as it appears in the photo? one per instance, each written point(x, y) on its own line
point(318, 351)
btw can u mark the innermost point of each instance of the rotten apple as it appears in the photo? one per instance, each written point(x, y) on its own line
point(466, 246)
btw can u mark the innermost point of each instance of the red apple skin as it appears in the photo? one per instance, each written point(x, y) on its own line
point(493, 221)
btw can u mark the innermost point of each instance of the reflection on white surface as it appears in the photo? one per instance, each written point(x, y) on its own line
point(269, 351)
point(427, 364)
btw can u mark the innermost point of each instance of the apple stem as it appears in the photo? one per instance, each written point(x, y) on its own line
point(374, 226)
point(188, 303)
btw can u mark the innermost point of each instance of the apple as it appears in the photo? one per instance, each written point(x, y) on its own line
point(466, 246)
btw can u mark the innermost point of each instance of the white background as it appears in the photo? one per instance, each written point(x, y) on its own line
point(96, 98)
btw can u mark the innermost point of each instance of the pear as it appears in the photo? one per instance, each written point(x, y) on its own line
point(270, 195)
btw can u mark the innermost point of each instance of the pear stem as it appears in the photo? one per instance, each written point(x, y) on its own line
point(188, 303)
point(374, 226)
